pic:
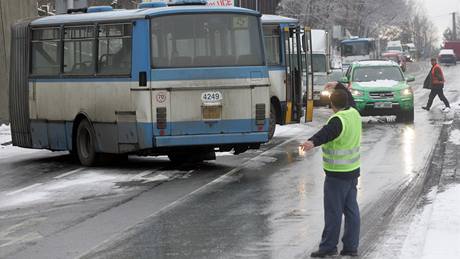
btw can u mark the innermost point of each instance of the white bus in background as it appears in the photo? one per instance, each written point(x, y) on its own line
point(357, 49)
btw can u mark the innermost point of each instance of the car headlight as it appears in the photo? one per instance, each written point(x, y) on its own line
point(355, 92)
point(326, 93)
point(407, 92)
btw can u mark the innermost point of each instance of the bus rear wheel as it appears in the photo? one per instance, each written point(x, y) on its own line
point(86, 144)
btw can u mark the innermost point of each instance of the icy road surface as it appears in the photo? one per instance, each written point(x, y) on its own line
point(260, 204)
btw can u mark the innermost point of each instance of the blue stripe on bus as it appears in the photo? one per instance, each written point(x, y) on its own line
point(277, 68)
point(141, 49)
point(57, 135)
point(211, 139)
point(203, 73)
point(172, 74)
point(82, 80)
point(165, 11)
point(211, 127)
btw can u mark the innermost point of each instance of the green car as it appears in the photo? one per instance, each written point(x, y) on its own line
point(380, 88)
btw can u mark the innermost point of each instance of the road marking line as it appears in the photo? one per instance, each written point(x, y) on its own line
point(69, 173)
point(24, 189)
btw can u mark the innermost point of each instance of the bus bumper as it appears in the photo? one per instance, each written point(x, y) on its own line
point(211, 139)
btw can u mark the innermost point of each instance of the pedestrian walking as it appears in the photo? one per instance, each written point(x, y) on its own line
point(340, 139)
point(436, 78)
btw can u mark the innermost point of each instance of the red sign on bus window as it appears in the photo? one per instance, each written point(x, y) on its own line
point(220, 2)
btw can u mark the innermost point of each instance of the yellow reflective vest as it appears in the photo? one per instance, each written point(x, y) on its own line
point(342, 154)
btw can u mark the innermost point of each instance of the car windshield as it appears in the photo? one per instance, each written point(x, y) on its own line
point(320, 79)
point(374, 73)
point(397, 48)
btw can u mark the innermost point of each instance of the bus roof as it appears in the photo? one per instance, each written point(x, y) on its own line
point(357, 40)
point(269, 18)
point(134, 14)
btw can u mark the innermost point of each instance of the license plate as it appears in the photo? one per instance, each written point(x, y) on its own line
point(211, 112)
point(211, 97)
point(384, 105)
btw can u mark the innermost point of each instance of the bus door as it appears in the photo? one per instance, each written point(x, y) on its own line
point(307, 55)
point(297, 75)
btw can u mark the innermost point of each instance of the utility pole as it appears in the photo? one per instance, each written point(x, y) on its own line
point(454, 27)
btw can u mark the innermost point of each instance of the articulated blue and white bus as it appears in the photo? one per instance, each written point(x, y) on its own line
point(182, 81)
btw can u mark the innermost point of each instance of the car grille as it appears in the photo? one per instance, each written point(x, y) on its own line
point(381, 95)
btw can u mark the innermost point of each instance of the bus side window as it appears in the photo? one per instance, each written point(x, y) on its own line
point(45, 51)
point(272, 44)
point(79, 50)
point(114, 55)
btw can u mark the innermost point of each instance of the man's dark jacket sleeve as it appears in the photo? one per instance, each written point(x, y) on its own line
point(329, 132)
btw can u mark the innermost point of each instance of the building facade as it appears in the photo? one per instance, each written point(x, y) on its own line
point(263, 6)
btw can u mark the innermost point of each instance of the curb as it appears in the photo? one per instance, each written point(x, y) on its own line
point(451, 161)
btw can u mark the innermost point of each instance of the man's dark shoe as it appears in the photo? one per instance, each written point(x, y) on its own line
point(425, 108)
point(348, 253)
point(322, 254)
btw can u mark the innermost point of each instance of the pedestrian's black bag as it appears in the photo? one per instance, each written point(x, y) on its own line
point(427, 82)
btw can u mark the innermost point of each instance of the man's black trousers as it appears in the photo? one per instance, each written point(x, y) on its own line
point(340, 198)
point(437, 90)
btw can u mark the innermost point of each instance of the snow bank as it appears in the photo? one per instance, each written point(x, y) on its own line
point(455, 136)
point(443, 235)
point(289, 130)
point(379, 83)
point(5, 133)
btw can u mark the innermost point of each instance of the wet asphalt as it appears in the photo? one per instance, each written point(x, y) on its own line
point(261, 204)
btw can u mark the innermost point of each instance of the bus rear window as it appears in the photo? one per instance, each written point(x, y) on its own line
point(206, 40)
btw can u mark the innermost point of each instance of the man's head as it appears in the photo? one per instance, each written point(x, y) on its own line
point(433, 61)
point(339, 99)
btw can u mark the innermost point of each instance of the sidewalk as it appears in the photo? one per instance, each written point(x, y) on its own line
point(435, 231)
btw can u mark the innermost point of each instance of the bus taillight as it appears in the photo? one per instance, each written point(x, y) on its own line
point(161, 117)
point(260, 114)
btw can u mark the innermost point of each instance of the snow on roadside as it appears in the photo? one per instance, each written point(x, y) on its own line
point(443, 235)
point(87, 184)
point(5, 134)
point(455, 136)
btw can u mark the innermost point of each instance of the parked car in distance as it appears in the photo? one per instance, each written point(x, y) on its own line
point(397, 57)
point(447, 57)
point(380, 88)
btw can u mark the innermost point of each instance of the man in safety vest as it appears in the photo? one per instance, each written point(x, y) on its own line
point(340, 139)
point(437, 85)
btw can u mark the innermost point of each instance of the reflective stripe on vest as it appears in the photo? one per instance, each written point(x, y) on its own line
point(341, 161)
point(343, 153)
